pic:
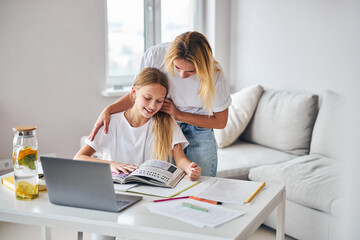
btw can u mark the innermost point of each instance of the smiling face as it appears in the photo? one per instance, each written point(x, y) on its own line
point(185, 69)
point(149, 99)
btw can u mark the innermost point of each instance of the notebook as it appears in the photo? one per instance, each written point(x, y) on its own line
point(83, 184)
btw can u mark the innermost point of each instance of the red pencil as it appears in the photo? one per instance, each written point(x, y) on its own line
point(168, 199)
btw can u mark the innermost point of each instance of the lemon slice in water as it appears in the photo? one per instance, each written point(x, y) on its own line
point(25, 188)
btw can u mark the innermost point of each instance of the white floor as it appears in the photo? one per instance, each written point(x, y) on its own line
point(12, 231)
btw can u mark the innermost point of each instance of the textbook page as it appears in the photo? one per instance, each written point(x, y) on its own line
point(153, 172)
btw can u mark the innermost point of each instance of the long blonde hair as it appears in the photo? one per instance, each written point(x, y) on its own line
point(162, 122)
point(194, 48)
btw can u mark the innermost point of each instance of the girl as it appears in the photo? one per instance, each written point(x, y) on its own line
point(199, 95)
point(142, 132)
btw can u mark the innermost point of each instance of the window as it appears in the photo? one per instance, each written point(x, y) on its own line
point(135, 25)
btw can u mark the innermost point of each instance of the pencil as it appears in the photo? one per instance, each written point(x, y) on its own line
point(194, 207)
point(254, 193)
point(168, 199)
point(205, 200)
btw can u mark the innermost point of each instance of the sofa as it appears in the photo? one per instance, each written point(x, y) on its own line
point(290, 138)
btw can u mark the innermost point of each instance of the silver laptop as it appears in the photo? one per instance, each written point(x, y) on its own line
point(83, 184)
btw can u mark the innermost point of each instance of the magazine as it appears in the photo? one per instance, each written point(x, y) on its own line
point(153, 172)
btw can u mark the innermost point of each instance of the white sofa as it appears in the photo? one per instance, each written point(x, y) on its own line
point(288, 137)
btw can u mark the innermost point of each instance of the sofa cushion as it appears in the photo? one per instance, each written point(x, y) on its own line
point(236, 160)
point(240, 112)
point(326, 137)
point(313, 180)
point(283, 120)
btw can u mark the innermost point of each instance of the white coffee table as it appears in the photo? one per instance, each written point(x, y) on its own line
point(137, 222)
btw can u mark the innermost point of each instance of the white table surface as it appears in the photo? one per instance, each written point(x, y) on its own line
point(137, 221)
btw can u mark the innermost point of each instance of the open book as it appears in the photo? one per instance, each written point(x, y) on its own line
point(153, 172)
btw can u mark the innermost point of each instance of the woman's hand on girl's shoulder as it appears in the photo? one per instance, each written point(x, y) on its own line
point(193, 171)
point(103, 120)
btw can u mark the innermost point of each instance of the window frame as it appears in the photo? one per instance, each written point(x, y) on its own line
point(152, 36)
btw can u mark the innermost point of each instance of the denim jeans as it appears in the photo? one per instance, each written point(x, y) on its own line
point(202, 148)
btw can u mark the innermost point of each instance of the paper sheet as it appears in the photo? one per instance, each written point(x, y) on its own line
point(230, 191)
point(215, 216)
point(205, 182)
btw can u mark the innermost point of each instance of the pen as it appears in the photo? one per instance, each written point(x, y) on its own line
point(205, 200)
point(254, 193)
point(194, 207)
point(168, 199)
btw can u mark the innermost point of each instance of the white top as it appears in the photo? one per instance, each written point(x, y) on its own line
point(127, 144)
point(184, 92)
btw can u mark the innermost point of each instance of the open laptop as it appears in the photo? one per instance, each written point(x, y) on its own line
point(83, 184)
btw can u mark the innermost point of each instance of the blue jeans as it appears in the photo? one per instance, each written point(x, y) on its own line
point(202, 148)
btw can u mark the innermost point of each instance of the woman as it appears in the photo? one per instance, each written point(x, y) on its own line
point(198, 98)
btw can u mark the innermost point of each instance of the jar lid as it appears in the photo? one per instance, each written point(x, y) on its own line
point(24, 128)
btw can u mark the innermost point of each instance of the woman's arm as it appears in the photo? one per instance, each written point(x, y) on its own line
point(86, 152)
point(218, 120)
point(120, 105)
point(190, 168)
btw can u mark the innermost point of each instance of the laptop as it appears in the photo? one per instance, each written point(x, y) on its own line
point(83, 184)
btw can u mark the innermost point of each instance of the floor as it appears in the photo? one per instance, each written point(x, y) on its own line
point(12, 231)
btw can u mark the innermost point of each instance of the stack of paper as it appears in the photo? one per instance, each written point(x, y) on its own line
point(214, 216)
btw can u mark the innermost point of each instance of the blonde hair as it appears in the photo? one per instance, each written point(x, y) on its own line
point(162, 122)
point(194, 48)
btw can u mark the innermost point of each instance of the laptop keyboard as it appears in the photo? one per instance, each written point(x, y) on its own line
point(122, 203)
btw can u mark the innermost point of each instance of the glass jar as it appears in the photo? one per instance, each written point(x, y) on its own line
point(25, 160)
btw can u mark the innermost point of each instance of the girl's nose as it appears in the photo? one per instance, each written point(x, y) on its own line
point(183, 74)
point(152, 105)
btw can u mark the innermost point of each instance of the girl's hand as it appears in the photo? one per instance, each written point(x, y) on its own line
point(169, 108)
point(193, 171)
point(103, 119)
point(122, 167)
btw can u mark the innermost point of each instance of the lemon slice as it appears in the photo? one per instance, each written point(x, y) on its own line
point(25, 188)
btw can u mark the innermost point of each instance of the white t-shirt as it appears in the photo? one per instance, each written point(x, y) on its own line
point(127, 144)
point(184, 92)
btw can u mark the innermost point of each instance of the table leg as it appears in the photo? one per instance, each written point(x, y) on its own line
point(80, 236)
point(280, 225)
point(45, 233)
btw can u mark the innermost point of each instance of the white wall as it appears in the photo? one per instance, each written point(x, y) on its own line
point(296, 45)
point(52, 71)
point(217, 22)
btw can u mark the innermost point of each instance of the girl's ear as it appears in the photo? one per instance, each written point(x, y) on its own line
point(133, 93)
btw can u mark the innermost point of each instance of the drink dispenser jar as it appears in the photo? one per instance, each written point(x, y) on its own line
point(25, 161)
